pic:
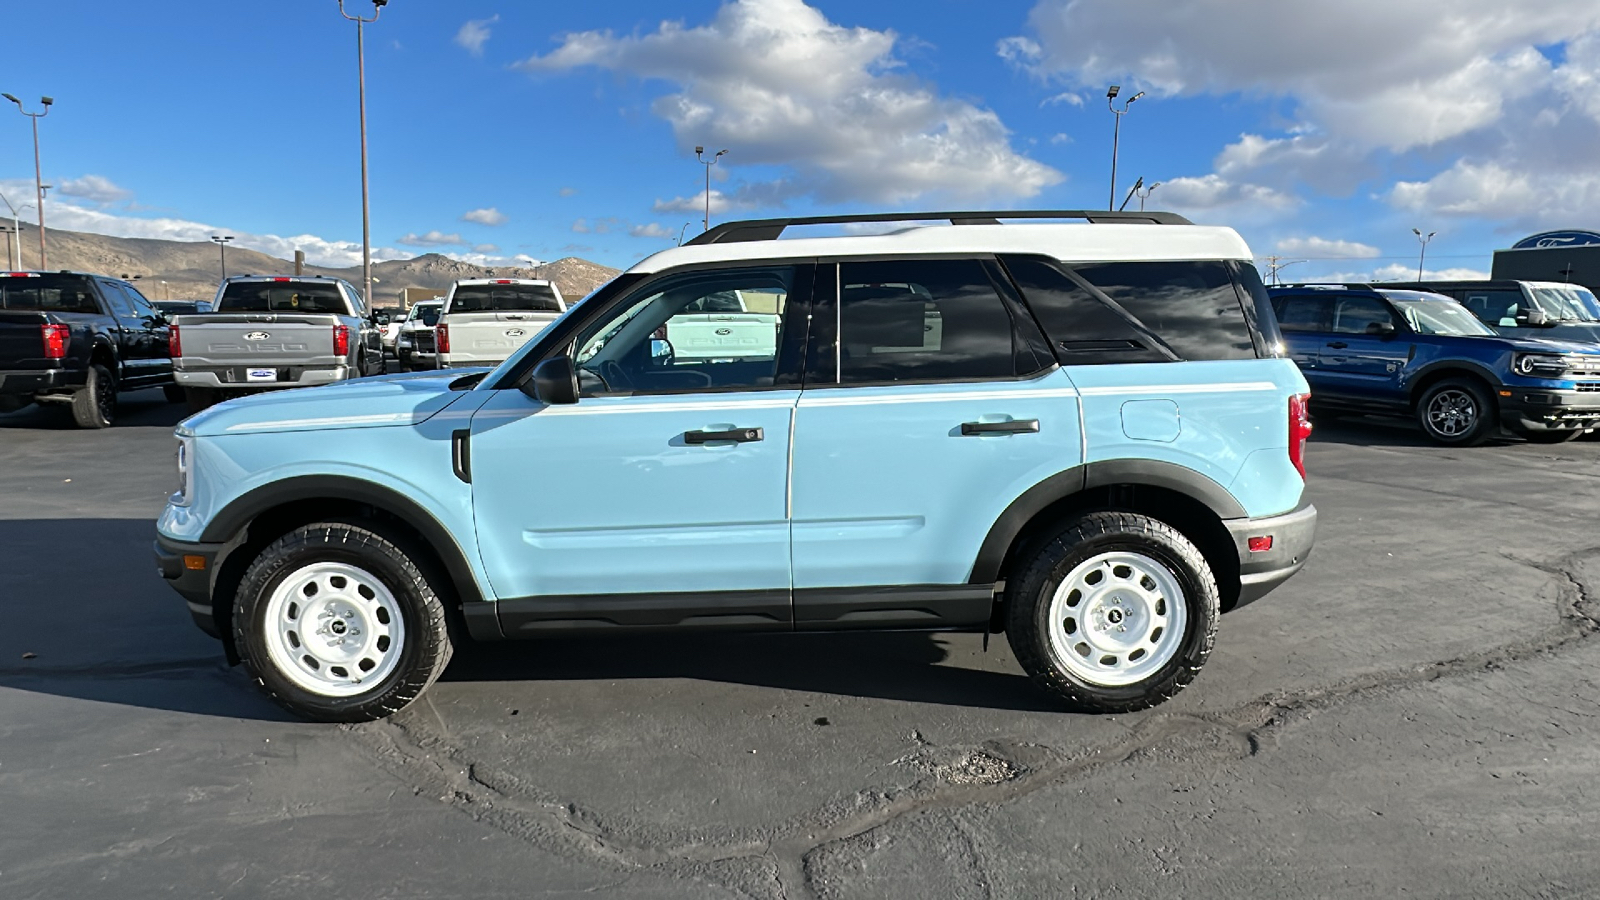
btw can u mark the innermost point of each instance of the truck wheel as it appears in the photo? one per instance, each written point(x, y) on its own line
point(174, 393)
point(1456, 412)
point(1116, 612)
point(199, 399)
point(95, 404)
point(337, 624)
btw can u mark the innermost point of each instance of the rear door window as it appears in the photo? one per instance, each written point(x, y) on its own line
point(1360, 315)
point(1082, 328)
point(282, 296)
point(504, 298)
point(48, 293)
point(1192, 306)
point(1305, 313)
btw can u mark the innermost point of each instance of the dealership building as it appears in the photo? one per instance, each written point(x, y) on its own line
point(1572, 256)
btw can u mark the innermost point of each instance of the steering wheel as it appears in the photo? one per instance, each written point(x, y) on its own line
point(614, 376)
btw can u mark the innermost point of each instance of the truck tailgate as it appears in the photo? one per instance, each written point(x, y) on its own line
point(492, 337)
point(257, 339)
point(723, 335)
point(21, 340)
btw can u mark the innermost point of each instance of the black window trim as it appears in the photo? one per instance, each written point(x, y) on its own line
point(1071, 274)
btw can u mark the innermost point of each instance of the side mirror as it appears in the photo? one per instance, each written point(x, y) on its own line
point(1535, 318)
point(554, 381)
point(1380, 329)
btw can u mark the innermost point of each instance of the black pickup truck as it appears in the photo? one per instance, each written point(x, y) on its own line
point(77, 339)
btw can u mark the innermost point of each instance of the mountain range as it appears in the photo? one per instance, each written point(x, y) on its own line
point(182, 270)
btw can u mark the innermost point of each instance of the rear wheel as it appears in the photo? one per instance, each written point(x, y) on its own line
point(1456, 412)
point(95, 404)
point(1116, 613)
point(338, 624)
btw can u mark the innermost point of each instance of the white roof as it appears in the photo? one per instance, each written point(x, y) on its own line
point(503, 281)
point(1100, 242)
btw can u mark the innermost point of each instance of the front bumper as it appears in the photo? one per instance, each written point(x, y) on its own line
point(233, 377)
point(177, 562)
point(1542, 409)
point(34, 381)
point(1260, 571)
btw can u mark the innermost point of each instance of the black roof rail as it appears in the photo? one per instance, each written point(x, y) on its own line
point(771, 229)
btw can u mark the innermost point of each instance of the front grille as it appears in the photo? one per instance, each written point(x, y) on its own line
point(1589, 387)
point(423, 342)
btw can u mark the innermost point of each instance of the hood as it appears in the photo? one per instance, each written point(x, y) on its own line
point(380, 402)
point(1552, 344)
point(1581, 333)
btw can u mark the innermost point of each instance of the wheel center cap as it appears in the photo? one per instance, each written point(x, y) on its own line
point(1114, 616)
point(337, 626)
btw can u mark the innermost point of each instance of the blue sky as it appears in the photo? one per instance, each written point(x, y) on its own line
point(1323, 132)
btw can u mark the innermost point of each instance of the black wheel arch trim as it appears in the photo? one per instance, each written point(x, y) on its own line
point(1152, 472)
point(247, 507)
point(1463, 366)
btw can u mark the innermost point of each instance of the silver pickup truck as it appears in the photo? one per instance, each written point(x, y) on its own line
point(485, 320)
point(274, 331)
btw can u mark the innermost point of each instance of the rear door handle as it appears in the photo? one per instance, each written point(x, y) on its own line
point(736, 435)
point(1015, 426)
point(1338, 345)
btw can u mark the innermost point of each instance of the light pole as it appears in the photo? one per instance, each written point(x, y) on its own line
point(38, 180)
point(1145, 195)
point(1116, 134)
point(9, 230)
point(166, 291)
point(699, 153)
point(221, 240)
point(1424, 254)
point(361, 81)
point(16, 228)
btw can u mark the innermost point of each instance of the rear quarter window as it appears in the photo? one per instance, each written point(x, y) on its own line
point(1192, 306)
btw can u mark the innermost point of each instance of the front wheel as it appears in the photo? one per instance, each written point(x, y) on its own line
point(1116, 613)
point(1456, 412)
point(337, 623)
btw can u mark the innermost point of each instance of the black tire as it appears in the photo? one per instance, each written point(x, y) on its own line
point(199, 399)
point(174, 393)
point(1031, 594)
point(1456, 412)
point(95, 404)
point(1550, 437)
point(424, 651)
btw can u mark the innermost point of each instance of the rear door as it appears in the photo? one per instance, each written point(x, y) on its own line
point(931, 403)
point(145, 357)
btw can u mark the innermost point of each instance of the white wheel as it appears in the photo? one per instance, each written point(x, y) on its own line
point(335, 629)
point(1117, 618)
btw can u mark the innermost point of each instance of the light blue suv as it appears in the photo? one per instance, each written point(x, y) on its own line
point(1082, 435)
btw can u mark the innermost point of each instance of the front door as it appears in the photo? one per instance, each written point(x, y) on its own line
point(660, 497)
point(919, 424)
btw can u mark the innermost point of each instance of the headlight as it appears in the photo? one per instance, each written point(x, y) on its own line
point(1539, 365)
point(185, 462)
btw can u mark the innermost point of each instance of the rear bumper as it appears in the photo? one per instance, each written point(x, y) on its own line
point(1536, 409)
point(232, 377)
point(33, 381)
point(173, 562)
point(1292, 535)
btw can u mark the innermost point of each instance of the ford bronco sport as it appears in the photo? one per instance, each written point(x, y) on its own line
point(1081, 435)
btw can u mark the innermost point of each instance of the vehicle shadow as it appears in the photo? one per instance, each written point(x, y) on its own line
point(1379, 431)
point(147, 408)
point(87, 616)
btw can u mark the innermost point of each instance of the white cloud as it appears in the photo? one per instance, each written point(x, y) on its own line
point(433, 238)
point(1070, 98)
point(486, 248)
point(581, 226)
point(1061, 138)
point(781, 85)
point(94, 188)
point(1216, 196)
point(651, 230)
point(1518, 198)
point(720, 203)
point(475, 33)
point(1303, 272)
point(487, 216)
point(1322, 248)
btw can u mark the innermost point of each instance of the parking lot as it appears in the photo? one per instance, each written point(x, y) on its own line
point(1416, 712)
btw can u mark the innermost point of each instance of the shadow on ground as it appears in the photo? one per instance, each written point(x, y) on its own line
point(146, 408)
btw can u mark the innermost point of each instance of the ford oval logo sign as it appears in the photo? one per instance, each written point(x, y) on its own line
point(515, 332)
point(1554, 239)
point(256, 336)
point(724, 331)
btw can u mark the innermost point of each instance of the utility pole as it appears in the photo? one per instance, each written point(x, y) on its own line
point(9, 231)
point(366, 208)
point(1116, 134)
point(16, 228)
point(1424, 254)
point(38, 179)
point(699, 153)
point(1275, 263)
point(222, 247)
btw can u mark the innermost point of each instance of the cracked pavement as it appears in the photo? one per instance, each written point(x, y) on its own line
point(1415, 712)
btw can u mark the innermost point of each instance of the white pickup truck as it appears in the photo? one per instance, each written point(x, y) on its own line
point(485, 320)
point(726, 325)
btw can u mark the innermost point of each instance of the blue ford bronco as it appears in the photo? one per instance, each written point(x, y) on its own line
point(1380, 350)
point(1080, 434)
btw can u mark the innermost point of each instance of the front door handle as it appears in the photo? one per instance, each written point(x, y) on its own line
point(1338, 345)
point(1014, 426)
point(736, 435)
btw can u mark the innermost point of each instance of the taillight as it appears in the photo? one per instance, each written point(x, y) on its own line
point(341, 340)
point(441, 337)
point(1299, 430)
point(55, 341)
point(174, 344)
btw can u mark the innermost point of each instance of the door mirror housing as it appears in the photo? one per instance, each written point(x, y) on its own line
point(1534, 318)
point(554, 381)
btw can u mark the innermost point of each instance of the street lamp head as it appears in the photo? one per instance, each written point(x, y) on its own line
point(47, 100)
point(1417, 232)
point(12, 98)
point(1111, 92)
point(1133, 98)
point(379, 4)
point(699, 150)
point(720, 153)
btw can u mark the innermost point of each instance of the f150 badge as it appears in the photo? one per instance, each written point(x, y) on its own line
point(256, 335)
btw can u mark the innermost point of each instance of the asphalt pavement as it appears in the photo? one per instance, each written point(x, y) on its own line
point(1415, 713)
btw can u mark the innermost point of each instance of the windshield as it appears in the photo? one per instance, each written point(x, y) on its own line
point(1568, 303)
point(47, 293)
point(1440, 316)
point(282, 296)
point(504, 298)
